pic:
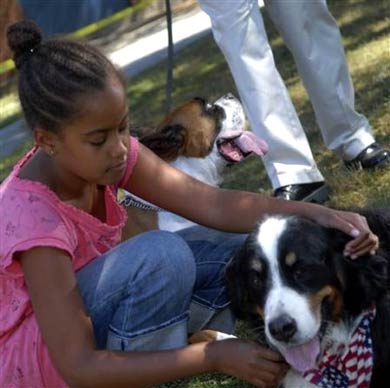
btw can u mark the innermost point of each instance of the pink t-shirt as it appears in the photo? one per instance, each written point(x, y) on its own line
point(32, 215)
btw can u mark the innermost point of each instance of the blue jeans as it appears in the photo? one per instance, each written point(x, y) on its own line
point(150, 291)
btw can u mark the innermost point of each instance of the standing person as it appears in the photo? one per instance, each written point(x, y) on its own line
point(312, 35)
point(77, 307)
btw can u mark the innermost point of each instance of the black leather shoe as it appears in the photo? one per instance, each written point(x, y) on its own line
point(374, 156)
point(317, 192)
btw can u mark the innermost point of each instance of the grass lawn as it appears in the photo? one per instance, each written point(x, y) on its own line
point(200, 70)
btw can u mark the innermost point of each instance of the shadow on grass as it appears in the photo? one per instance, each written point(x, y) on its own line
point(359, 22)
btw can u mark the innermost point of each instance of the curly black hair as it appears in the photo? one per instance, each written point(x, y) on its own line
point(53, 74)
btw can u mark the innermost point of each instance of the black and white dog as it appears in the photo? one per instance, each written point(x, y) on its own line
point(327, 314)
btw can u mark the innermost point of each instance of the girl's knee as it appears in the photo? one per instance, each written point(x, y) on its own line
point(169, 255)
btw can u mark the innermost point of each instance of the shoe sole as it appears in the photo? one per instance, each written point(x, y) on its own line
point(375, 161)
point(359, 166)
point(319, 195)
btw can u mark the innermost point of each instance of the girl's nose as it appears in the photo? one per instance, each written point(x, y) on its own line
point(119, 146)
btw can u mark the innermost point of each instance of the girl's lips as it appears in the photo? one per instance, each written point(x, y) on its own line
point(118, 167)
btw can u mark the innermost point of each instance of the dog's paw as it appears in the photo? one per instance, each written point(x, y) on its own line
point(208, 336)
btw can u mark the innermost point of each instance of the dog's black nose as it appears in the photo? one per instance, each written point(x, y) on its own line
point(283, 327)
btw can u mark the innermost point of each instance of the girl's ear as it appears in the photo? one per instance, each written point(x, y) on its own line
point(46, 140)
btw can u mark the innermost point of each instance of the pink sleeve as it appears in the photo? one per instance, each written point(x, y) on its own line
point(30, 221)
point(131, 160)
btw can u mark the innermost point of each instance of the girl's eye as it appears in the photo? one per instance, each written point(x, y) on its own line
point(98, 143)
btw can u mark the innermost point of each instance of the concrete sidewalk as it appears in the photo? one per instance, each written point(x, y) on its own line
point(133, 58)
point(149, 50)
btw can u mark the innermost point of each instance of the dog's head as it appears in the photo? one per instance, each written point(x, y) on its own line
point(291, 276)
point(198, 127)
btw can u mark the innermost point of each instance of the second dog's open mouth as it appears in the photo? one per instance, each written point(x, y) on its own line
point(237, 145)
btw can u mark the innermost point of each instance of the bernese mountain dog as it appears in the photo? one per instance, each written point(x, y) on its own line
point(327, 314)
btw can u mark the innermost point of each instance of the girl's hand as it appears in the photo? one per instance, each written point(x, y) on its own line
point(353, 224)
point(247, 361)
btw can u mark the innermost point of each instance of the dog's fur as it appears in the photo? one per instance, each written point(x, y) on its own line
point(201, 139)
point(291, 281)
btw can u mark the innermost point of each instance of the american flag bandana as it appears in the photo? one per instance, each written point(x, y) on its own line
point(350, 366)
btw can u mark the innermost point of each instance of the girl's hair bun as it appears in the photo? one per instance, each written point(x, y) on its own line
point(23, 37)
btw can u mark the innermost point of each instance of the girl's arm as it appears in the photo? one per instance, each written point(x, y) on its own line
point(233, 210)
point(68, 333)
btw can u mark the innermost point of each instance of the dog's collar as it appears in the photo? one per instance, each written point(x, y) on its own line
point(129, 200)
point(350, 365)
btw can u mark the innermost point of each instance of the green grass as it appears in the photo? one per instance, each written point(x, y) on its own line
point(10, 109)
point(7, 163)
point(200, 70)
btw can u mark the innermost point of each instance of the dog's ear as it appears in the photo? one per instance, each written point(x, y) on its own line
point(234, 287)
point(337, 239)
point(167, 142)
point(363, 279)
point(367, 280)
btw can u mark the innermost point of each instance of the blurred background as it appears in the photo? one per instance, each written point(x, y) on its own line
point(58, 17)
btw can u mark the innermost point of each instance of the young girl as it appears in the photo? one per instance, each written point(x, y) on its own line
point(77, 307)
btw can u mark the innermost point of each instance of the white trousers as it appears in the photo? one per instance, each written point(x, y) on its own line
point(313, 37)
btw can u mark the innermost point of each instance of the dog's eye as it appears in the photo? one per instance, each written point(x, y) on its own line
point(254, 280)
point(302, 274)
point(298, 273)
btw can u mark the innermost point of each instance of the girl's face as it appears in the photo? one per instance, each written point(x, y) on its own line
point(94, 146)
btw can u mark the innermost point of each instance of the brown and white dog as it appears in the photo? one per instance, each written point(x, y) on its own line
point(201, 139)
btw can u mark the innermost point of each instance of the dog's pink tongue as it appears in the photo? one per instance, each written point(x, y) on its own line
point(249, 142)
point(303, 357)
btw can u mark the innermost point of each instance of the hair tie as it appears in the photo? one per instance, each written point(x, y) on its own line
point(24, 56)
